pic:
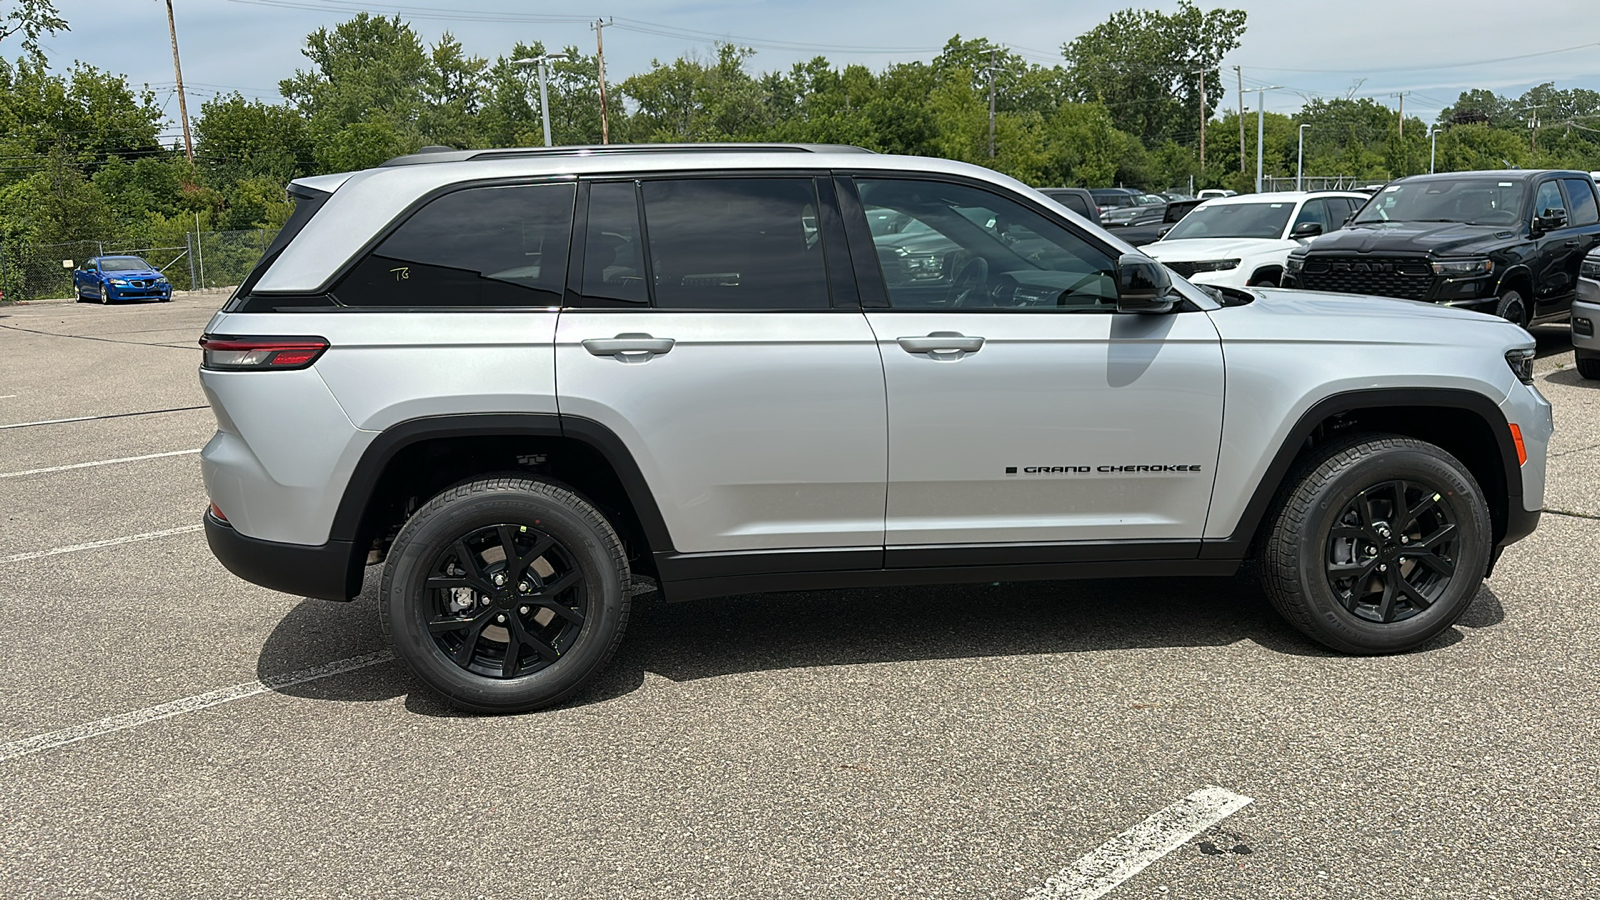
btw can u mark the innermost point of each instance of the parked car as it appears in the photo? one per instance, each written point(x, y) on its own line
point(1078, 200)
point(1114, 198)
point(532, 384)
point(1508, 243)
point(1585, 313)
point(112, 278)
point(1245, 240)
point(1214, 193)
point(1147, 208)
point(1172, 214)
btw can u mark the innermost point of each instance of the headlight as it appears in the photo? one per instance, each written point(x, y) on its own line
point(1590, 269)
point(1464, 267)
point(1295, 264)
point(1214, 265)
point(161, 279)
point(120, 282)
point(1521, 363)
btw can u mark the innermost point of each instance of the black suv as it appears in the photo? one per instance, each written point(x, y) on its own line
point(1508, 243)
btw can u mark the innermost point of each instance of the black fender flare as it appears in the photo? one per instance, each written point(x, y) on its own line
point(347, 521)
point(1235, 545)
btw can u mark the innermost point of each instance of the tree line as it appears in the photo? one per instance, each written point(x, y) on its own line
point(82, 154)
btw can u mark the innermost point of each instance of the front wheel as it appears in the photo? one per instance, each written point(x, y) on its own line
point(1588, 366)
point(1378, 545)
point(1513, 308)
point(105, 295)
point(506, 594)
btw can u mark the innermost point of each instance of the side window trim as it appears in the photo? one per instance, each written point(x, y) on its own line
point(836, 254)
point(577, 249)
point(863, 253)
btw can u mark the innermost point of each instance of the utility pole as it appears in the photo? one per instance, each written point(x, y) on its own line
point(177, 71)
point(1534, 123)
point(1402, 96)
point(600, 57)
point(1240, 72)
point(991, 103)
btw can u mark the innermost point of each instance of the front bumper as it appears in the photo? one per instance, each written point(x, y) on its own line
point(153, 292)
point(327, 572)
point(1585, 319)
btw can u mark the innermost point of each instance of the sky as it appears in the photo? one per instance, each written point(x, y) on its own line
point(1430, 49)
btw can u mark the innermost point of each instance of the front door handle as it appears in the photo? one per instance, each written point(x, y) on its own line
point(1569, 243)
point(629, 348)
point(942, 345)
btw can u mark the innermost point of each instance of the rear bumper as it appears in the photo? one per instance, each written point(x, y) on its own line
point(326, 571)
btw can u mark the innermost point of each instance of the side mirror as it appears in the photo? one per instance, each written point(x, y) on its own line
point(1306, 230)
point(1143, 285)
point(1551, 220)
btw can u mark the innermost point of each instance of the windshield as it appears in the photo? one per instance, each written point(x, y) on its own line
point(123, 264)
point(1233, 220)
point(1474, 201)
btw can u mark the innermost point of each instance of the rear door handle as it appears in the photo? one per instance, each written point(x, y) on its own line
point(941, 344)
point(629, 348)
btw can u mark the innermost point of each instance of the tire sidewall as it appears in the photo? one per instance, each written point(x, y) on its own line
point(1508, 300)
point(405, 610)
point(1472, 523)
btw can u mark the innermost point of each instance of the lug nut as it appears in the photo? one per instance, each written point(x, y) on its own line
point(523, 610)
point(1383, 568)
point(484, 601)
point(1404, 539)
point(500, 579)
point(524, 587)
point(500, 618)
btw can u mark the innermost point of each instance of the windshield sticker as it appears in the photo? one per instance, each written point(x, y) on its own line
point(1391, 188)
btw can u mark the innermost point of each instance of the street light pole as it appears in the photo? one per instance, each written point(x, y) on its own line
point(544, 94)
point(1433, 146)
point(1261, 127)
point(1300, 161)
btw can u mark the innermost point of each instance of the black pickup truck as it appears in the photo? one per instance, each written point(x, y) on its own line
point(1508, 243)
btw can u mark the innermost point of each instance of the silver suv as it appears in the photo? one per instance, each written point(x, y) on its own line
point(533, 383)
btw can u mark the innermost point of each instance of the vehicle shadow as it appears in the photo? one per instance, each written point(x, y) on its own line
point(729, 636)
point(1551, 340)
point(1571, 378)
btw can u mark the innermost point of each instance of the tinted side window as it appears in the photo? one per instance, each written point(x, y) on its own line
point(1581, 196)
point(735, 243)
point(1314, 211)
point(961, 247)
point(479, 247)
point(613, 258)
point(1073, 202)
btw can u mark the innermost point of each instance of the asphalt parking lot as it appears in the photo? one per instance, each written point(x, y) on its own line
point(169, 730)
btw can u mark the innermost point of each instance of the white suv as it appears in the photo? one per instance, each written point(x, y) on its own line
point(1245, 240)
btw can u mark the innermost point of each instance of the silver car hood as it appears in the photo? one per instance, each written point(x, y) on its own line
point(1322, 317)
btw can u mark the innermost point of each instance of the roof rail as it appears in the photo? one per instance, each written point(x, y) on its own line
point(442, 154)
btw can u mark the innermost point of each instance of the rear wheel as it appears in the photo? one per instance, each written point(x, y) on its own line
point(1378, 545)
point(1513, 308)
point(506, 594)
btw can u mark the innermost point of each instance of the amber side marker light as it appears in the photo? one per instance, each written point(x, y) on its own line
point(217, 512)
point(228, 353)
point(1522, 452)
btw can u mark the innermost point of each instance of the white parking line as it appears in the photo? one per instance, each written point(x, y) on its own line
point(123, 721)
point(1127, 854)
point(101, 462)
point(109, 542)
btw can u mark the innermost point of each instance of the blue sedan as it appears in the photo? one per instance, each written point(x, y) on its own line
point(108, 278)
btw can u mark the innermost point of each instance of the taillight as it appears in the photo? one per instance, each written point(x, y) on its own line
point(230, 353)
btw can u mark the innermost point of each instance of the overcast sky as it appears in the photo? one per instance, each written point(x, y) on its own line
point(1433, 49)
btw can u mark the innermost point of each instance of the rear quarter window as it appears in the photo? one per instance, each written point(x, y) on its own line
point(503, 246)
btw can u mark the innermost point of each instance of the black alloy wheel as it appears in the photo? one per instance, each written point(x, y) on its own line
point(1513, 308)
point(1391, 552)
point(506, 594)
point(1377, 544)
point(505, 600)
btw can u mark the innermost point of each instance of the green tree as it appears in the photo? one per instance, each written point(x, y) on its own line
point(1146, 67)
point(31, 18)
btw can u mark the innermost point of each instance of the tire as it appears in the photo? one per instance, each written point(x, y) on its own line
point(1513, 308)
point(1588, 366)
point(105, 295)
point(481, 608)
point(1321, 554)
point(1264, 282)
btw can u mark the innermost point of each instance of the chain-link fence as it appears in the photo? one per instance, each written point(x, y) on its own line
point(206, 259)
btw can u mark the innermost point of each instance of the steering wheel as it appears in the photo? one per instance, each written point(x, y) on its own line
point(1498, 217)
point(971, 281)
